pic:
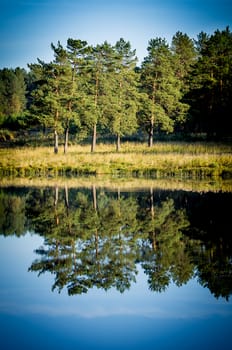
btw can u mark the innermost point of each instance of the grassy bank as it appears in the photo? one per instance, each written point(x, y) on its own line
point(162, 160)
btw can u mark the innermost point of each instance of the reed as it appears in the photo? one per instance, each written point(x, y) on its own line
point(161, 160)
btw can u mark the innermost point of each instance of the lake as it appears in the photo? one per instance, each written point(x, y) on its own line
point(115, 268)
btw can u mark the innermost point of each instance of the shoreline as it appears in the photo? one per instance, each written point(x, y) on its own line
point(179, 160)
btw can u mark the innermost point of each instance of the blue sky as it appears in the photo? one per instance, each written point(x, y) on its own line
point(27, 27)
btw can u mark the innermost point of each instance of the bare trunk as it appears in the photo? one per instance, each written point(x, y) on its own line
point(118, 145)
point(151, 129)
point(66, 140)
point(94, 138)
point(151, 133)
point(154, 242)
point(55, 142)
point(55, 131)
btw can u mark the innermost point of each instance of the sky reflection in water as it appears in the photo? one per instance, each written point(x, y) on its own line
point(31, 314)
point(34, 316)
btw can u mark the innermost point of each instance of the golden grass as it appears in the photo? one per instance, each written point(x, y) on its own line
point(162, 158)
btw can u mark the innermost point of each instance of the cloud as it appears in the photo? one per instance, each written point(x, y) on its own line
point(103, 311)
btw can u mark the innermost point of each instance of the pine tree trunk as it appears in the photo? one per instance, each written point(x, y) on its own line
point(94, 138)
point(55, 142)
point(118, 145)
point(66, 140)
point(151, 133)
point(151, 130)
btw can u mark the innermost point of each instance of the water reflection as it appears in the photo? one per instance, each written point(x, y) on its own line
point(98, 237)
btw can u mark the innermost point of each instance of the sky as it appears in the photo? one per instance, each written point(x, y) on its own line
point(28, 27)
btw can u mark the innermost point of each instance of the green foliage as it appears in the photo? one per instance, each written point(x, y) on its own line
point(185, 56)
point(123, 92)
point(163, 88)
point(6, 135)
point(211, 88)
point(12, 97)
point(85, 90)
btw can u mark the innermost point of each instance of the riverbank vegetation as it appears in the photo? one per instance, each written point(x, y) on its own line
point(89, 93)
point(176, 159)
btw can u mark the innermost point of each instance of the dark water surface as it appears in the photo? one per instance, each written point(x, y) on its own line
point(114, 269)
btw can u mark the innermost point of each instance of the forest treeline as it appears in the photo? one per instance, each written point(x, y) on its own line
point(183, 88)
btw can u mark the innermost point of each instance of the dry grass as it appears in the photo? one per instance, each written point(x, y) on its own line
point(162, 158)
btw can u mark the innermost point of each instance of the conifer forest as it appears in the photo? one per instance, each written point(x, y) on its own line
point(182, 89)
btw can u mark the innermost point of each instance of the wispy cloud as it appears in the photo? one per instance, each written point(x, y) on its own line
point(101, 311)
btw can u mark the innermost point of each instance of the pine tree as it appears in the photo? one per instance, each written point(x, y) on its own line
point(12, 96)
point(123, 92)
point(211, 87)
point(97, 88)
point(162, 105)
point(185, 56)
point(78, 55)
point(64, 89)
point(46, 97)
point(56, 96)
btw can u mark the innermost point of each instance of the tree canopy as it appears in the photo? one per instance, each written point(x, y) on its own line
point(85, 91)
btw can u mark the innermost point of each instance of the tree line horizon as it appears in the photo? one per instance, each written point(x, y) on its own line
point(180, 88)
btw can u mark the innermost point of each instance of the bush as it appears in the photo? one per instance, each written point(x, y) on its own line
point(6, 135)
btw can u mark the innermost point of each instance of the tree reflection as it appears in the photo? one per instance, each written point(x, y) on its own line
point(214, 264)
point(88, 245)
point(164, 253)
point(12, 214)
point(96, 237)
point(215, 273)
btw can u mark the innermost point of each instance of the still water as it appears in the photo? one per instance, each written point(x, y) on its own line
point(101, 268)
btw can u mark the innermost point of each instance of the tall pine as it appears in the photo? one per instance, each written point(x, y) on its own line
point(162, 107)
point(123, 92)
point(211, 87)
point(97, 88)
